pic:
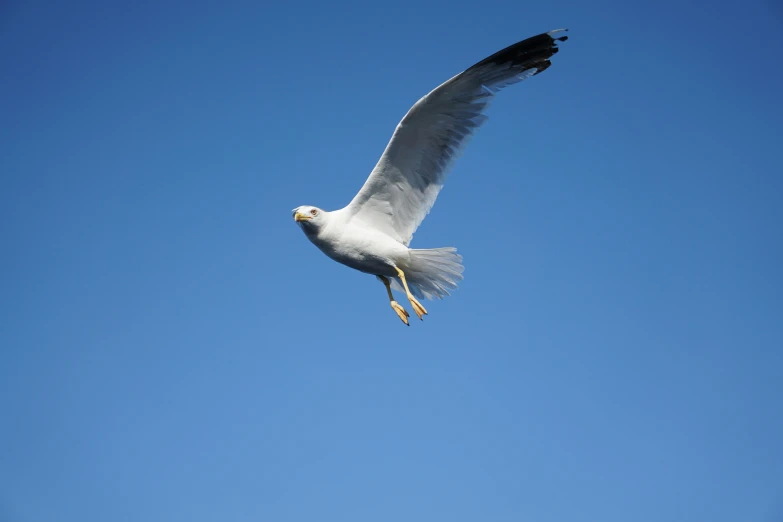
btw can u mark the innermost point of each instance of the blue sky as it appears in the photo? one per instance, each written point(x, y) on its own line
point(173, 348)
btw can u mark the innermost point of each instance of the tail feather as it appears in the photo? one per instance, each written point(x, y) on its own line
point(431, 273)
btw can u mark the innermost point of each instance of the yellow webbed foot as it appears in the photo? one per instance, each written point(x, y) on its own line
point(401, 312)
point(417, 308)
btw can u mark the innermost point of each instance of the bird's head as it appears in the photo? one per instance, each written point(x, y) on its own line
point(309, 218)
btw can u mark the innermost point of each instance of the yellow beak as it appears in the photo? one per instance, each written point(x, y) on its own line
point(301, 217)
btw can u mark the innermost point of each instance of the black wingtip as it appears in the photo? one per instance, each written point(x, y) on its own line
point(552, 34)
point(532, 53)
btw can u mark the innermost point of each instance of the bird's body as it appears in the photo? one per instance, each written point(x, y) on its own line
point(361, 246)
point(373, 232)
point(358, 245)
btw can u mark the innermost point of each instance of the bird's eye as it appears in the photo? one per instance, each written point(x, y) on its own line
point(313, 212)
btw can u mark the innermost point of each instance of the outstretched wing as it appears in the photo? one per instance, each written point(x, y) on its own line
point(406, 181)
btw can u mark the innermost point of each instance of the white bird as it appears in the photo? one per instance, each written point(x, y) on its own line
point(373, 232)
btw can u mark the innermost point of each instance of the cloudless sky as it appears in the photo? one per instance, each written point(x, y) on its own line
point(173, 348)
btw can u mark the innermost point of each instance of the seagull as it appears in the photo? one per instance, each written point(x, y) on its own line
point(373, 233)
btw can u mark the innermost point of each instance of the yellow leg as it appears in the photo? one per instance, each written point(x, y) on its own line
point(397, 307)
point(420, 310)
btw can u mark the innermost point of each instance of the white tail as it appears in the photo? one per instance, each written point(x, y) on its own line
point(431, 273)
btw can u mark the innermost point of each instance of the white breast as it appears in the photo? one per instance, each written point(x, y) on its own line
point(361, 247)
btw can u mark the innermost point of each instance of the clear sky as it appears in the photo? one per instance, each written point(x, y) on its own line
point(173, 348)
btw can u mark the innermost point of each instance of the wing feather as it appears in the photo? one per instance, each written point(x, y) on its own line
point(410, 173)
